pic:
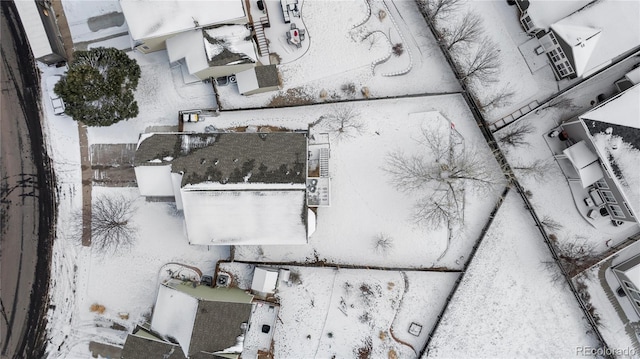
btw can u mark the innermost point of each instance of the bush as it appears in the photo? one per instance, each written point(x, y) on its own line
point(97, 308)
point(398, 49)
point(98, 88)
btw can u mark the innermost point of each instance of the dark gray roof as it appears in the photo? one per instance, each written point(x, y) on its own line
point(629, 134)
point(276, 157)
point(217, 325)
point(267, 76)
point(136, 347)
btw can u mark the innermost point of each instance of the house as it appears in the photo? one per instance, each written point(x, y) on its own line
point(602, 155)
point(234, 188)
point(193, 322)
point(39, 22)
point(209, 38)
point(258, 79)
point(628, 275)
point(582, 40)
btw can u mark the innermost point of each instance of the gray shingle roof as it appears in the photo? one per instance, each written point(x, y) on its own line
point(277, 157)
point(267, 76)
point(217, 325)
point(136, 347)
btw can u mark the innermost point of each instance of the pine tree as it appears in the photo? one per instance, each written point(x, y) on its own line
point(98, 88)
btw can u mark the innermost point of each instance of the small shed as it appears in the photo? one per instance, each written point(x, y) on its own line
point(264, 281)
point(258, 79)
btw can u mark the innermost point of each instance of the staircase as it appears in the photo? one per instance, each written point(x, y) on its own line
point(261, 40)
point(324, 162)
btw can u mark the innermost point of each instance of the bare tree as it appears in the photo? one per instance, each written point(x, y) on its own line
point(562, 102)
point(111, 227)
point(343, 123)
point(551, 224)
point(497, 100)
point(537, 169)
point(439, 9)
point(382, 243)
point(440, 175)
point(467, 30)
point(483, 65)
point(516, 134)
point(575, 255)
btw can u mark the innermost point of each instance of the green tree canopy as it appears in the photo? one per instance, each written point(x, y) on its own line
point(98, 88)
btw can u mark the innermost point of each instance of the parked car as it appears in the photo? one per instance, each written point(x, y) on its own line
point(58, 105)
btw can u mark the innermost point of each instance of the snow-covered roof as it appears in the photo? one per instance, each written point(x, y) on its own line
point(582, 40)
point(257, 217)
point(622, 110)
point(247, 81)
point(34, 28)
point(190, 46)
point(264, 280)
point(174, 316)
point(620, 32)
point(155, 18)
point(544, 12)
point(235, 39)
point(585, 162)
point(619, 116)
point(154, 181)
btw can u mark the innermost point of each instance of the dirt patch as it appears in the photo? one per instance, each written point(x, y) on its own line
point(292, 97)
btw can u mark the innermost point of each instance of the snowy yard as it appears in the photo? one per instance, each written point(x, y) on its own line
point(507, 304)
point(346, 312)
point(339, 63)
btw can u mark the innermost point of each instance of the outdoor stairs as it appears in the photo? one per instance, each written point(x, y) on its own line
point(324, 162)
point(261, 39)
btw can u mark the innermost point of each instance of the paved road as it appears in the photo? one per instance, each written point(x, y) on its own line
point(27, 208)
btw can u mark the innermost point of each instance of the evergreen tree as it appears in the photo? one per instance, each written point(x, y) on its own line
point(98, 88)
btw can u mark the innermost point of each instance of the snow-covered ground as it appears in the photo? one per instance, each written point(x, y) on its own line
point(79, 13)
point(345, 312)
point(339, 55)
point(507, 305)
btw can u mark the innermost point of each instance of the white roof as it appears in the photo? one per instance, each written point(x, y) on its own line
point(155, 18)
point(33, 27)
point(585, 162)
point(154, 180)
point(189, 46)
point(543, 13)
point(618, 20)
point(253, 217)
point(247, 81)
point(174, 316)
point(235, 38)
point(583, 41)
point(634, 274)
point(623, 110)
point(264, 280)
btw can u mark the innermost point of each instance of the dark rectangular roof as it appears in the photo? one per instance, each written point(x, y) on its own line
point(136, 347)
point(235, 157)
point(267, 76)
point(217, 325)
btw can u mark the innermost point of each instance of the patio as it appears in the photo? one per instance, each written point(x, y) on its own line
point(584, 184)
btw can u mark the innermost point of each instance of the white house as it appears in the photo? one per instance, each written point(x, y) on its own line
point(234, 188)
point(209, 38)
point(588, 37)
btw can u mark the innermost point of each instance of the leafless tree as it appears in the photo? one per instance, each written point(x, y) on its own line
point(439, 176)
point(343, 123)
point(575, 255)
point(483, 65)
point(516, 134)
point(111, 226)
point(467, 30)
point(537, 169)
point(439, 9)
point(382, 243)
point(562, 102)
point(497, 100)
point(551, 224)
